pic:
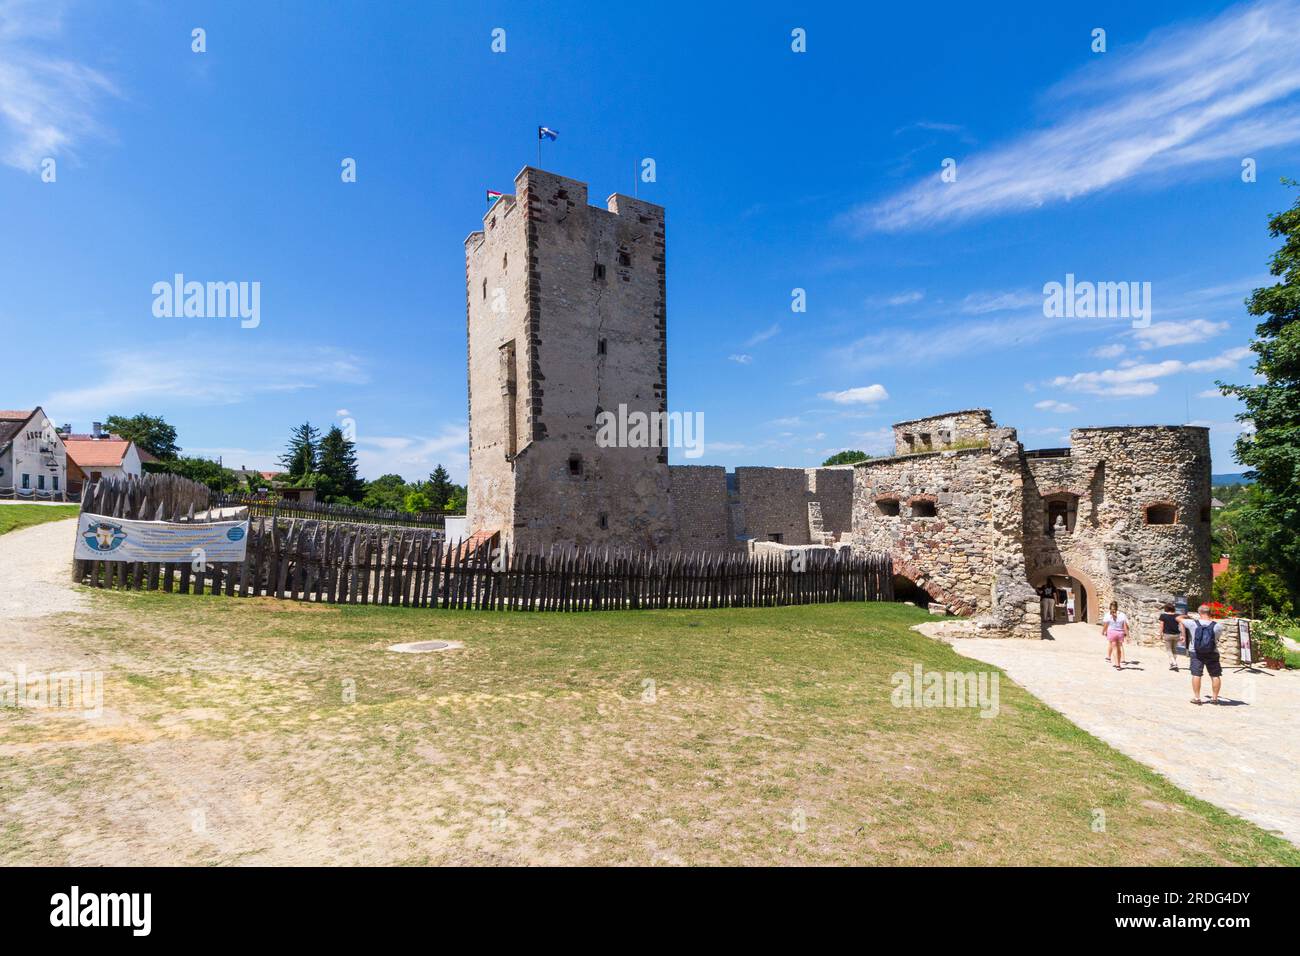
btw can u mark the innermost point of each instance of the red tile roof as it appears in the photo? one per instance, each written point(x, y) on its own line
point(1218, 567)
point(16, 416)
point(102, 453)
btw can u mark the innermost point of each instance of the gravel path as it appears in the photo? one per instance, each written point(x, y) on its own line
point(1243, 755)
point(36, 572)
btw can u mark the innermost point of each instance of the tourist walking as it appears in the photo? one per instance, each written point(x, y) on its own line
point(1115, 628)
point(1203, 651)
point(1171, 633)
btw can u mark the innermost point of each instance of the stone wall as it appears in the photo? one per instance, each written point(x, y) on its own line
point(832, 489)
point(775, 502)
point(967, 428)
point(1124, 511)
point(700, 509)
point(949, 555)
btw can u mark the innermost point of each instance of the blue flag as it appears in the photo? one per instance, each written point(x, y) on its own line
point(545, 132)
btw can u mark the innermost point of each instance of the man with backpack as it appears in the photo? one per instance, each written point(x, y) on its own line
point(1203, 651)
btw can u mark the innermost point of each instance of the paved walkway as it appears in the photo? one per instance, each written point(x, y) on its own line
point(36, 572)
point(1243, 755)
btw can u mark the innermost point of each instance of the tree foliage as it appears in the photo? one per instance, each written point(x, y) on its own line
point(846, 457)
point(299, 458)
point(149, 432)
point(336, 463)
point(1270, 448)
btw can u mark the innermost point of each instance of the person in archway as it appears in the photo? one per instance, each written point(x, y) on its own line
point(1170, 632)
point(1203, 651)
point(1047, 603)
point(1114, 626)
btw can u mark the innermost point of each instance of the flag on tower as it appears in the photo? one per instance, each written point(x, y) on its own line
point(493, 195)
point(545, 132)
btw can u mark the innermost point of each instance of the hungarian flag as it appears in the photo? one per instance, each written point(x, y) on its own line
point(493, 195)
point(545, 132)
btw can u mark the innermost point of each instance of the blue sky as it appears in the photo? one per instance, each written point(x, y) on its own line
point(779, 170)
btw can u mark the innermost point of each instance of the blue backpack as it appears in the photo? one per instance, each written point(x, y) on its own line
point(1203, 644)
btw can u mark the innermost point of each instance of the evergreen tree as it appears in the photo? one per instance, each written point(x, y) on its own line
point(336, 461)
point(440, 488)
point(1272, 449)
point(299, 459)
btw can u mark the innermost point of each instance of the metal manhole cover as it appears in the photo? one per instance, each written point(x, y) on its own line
point(424, 647)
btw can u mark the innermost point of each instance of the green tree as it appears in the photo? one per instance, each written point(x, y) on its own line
point(1271, 449)
point(415, 501)
point(299, 458)
point(336, 462)
point(457, 502)
point(387, 492)
point(203, 470)
point(440, 488)
point(846, 457)
point(149, 432)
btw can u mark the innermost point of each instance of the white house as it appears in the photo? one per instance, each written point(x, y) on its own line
point(101, 455)
point(33, 458)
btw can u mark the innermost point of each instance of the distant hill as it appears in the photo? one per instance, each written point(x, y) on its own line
point(1229, 480)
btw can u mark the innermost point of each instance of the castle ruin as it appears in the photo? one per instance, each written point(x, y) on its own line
point(567, 319)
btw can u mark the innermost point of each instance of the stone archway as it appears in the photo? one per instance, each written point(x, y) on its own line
point(1091, 607)
point(919, 580)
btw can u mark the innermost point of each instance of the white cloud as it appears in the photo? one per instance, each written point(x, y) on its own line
point(1160, 335)
point(1052, 405)
point(979, 303)
point(134, 379)
point(862, 395)
point(1114, 350)
point(741, 359)
point(758, 338)
point(905, 298)
point(1137, 378)
point(946, 340)
point(47, 103)
point(414, 456)
point(1210, 393)
point(1211, 91)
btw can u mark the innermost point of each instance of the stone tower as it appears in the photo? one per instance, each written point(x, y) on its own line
point(566, 320)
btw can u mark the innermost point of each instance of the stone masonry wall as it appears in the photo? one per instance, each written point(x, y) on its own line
point(700, 508)
point(949, 555)
point(942, 432)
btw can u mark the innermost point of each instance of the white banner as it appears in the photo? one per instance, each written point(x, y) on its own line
point(101, 538)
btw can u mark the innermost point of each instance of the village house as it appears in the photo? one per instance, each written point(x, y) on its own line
point(102, 455)
point(33, 460)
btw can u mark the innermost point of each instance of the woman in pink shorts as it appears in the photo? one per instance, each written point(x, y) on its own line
point(1115, 626)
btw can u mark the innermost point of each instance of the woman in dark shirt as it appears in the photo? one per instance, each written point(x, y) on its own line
point(1170, 633)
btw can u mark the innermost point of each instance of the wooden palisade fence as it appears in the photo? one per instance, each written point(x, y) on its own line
point(265, 507)
point(359, 564)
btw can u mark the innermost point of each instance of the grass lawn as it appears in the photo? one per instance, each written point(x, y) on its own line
point(13, 517)
point(273, 732)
